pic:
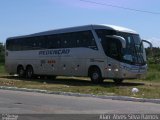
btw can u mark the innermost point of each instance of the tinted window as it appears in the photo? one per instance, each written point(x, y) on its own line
point(112, 47)
point(102, 33)
point(85, 39)
point(55, 41)
point(67, 40)
point(52, 42)
point(10, 44)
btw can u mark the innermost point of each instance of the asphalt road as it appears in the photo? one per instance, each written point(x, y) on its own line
point(16, 102)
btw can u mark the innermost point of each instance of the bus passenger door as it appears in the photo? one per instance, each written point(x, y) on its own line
point(113, 51)
point(113, 70)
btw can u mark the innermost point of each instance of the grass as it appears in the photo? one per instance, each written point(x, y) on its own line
point(153, 73)
point(148, 88)
point(2, 69)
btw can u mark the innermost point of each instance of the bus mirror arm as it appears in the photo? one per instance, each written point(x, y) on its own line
point(121, 39)
point(146, 41)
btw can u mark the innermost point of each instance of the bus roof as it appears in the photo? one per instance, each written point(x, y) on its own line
point(81, 28)
point(117, 28)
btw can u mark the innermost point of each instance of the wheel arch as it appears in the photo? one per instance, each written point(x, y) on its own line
point(29, 71)
point(18, 66)
point(29, 65)
point(91, 67)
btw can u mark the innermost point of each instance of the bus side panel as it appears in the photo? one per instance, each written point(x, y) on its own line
point(74, 64)
point(48, 65)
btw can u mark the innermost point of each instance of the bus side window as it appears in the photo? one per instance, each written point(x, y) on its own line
point(85, 39)
point(52, 41)
point(77, 37)
point(102, 33)
point(65, 40)
point(91, 41)
point(10, 45)
point(35, 43)
point(58, 42)
point(18, 45)
point(41, 42)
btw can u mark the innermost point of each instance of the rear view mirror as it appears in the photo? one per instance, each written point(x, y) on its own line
point(146, 41)
point(121, 39)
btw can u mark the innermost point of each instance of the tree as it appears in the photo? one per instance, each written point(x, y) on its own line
point(2, 53)
point(153, 55)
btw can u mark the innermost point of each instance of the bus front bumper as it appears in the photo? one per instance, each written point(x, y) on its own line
point(133, 72)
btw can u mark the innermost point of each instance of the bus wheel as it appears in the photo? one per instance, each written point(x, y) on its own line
point(118, 81)
point(20, 71)
point(95, 75)
point(29, 72)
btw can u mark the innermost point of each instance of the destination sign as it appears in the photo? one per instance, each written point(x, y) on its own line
point(55, 52)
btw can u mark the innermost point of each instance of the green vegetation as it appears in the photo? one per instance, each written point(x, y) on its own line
point(153, 58)
point(1, 53)
point(149, 87)
point(153, 73)
point(2, 70)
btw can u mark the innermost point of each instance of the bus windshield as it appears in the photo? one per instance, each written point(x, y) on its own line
point(134, 51)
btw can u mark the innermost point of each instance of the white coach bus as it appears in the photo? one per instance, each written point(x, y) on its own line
point(96, 51)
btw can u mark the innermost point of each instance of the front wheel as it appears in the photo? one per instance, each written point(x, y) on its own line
point(95, 75)
point(29, 72)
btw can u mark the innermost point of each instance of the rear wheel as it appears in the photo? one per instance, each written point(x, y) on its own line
point(20, 71)
point(95, 75)
point(29, 72)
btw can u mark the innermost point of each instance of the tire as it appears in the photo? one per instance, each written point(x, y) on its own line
point(118, 81)
point(29, 72)
point(21, 71)
point(95, 75)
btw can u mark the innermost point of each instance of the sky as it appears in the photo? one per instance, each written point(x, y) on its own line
point(22, 17)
